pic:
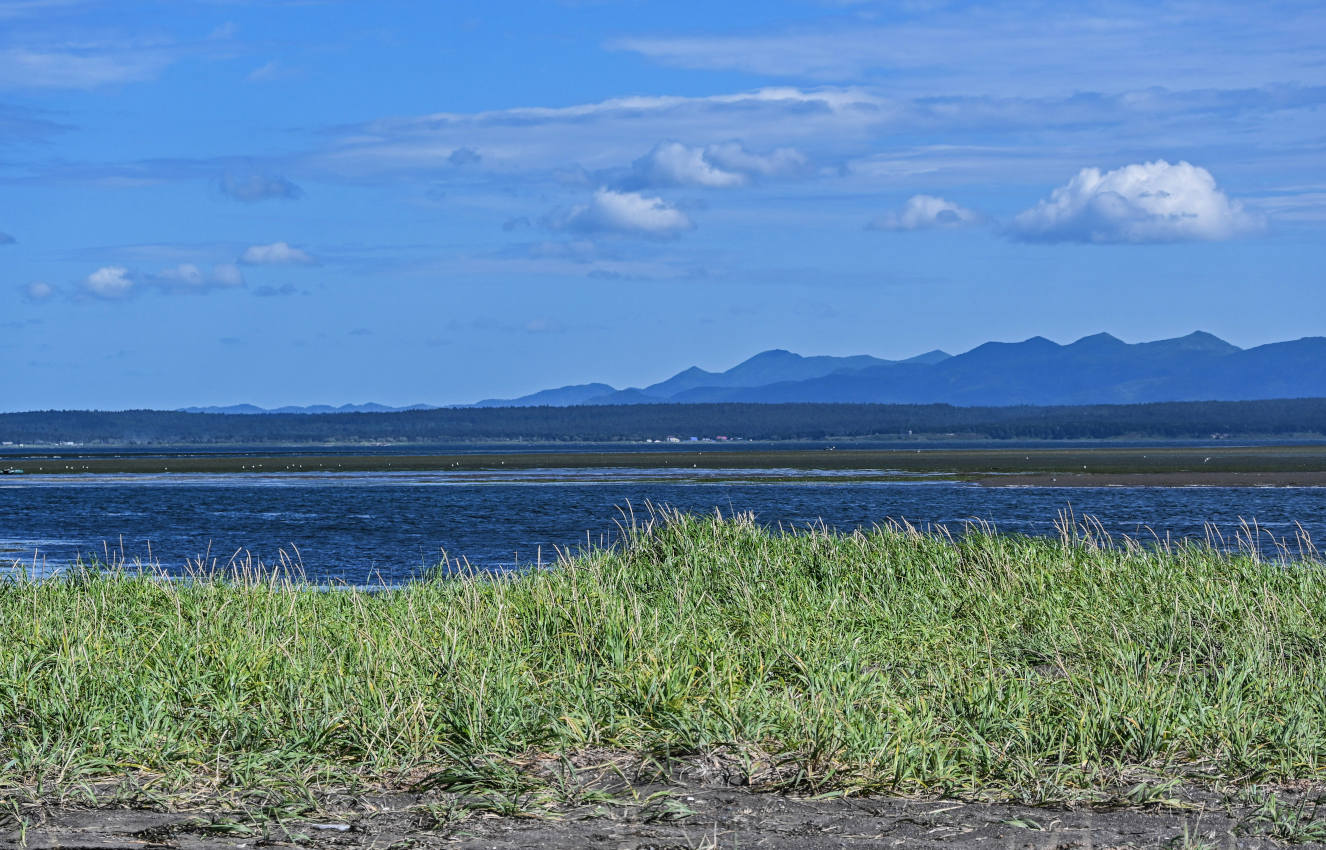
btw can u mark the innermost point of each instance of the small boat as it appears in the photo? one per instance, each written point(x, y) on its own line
point(10, 470)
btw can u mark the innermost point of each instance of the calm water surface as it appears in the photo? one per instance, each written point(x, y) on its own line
point(376, 527)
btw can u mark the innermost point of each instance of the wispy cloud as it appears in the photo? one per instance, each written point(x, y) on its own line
point(80, 66)
point(608, 134)
point(272, 71)
point(1146, 202)
point(276, 254)
point(926, 212)
point(13, 9)
point(994, 48)
point(25, 123)
point(628, 213)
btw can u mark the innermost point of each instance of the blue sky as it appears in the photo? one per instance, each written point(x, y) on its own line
point(328, 202)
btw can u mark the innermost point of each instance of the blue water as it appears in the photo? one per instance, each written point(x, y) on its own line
point(387, 527)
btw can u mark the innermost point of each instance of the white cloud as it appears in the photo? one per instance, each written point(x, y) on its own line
point(109, 282)
point(262, 73)
point(776, 163)
point(675, 164)
point(187, 277)
point(276, 254)
point(38, 291)
point(924, 212)
point(114, 282)
point(856, 138)
point(1146, 202)
point(623, 212)
point(717, 166)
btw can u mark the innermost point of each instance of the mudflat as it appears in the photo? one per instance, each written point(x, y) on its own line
point(1221, 466)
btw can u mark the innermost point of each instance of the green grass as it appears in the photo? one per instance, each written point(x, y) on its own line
point(885, 661)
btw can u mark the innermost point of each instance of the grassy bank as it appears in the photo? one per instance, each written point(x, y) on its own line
point(890, 661)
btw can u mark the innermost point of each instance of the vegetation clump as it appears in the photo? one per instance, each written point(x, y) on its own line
point(889, 660)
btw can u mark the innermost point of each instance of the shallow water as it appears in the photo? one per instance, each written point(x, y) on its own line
point(386, 527)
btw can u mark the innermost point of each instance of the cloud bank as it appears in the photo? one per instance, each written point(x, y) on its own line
point(1146, 202)
point(276, 254)
point(926, 212)
point(629, 213)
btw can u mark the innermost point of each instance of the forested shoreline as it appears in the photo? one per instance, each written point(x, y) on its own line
point(1171, 420)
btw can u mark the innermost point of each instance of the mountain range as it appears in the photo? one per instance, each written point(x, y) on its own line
point(1097, 369)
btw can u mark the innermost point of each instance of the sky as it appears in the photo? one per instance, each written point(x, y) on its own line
point(216, 201)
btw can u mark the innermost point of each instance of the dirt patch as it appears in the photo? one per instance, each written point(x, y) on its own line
point(671, 817)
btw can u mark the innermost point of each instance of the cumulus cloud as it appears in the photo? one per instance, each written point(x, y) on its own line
point(775, 163)
point(717, 166)
point(276, 254)
point(109, 282)
point(6, 239)
point(187, 277)
point(251, 188)
point(926, 212)
point(623, 212)
point(1146, 202)
point(38, 291)
point(675, 164)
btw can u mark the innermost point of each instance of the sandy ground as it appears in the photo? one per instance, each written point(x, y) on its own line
point(683, 817)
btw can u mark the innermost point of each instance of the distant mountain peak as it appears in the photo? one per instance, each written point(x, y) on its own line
point(1099, 340)
point(773, 355)
point(1195, 341)
point(935, 355)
